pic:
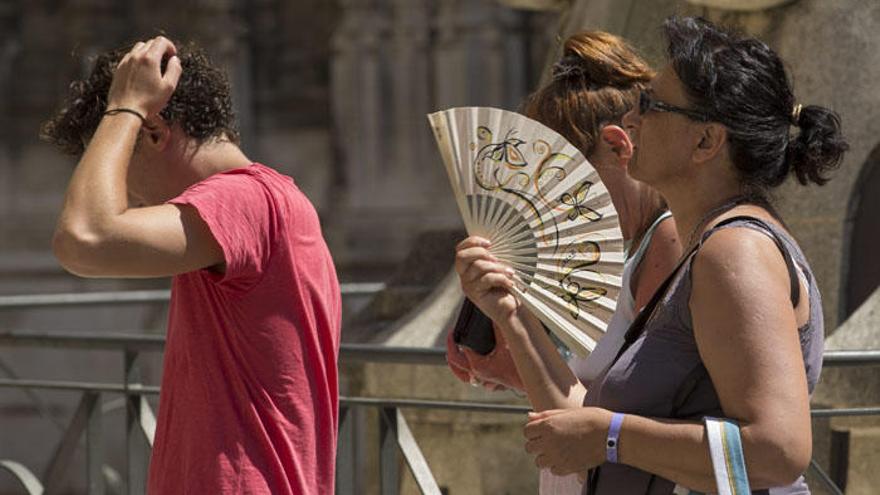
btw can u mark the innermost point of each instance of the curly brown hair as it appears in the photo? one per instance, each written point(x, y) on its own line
point(201, 103)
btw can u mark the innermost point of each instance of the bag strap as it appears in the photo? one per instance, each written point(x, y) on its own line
point(638, 325)
point(726, 452)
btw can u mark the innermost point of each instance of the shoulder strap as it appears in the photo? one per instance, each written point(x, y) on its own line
point(647, 235)
point(638, 325)
point(786, 256)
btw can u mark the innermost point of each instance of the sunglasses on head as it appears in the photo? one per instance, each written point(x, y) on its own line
point(647, 103)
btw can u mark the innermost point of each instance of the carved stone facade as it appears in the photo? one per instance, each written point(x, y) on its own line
point(394, 61)
point(333, 93)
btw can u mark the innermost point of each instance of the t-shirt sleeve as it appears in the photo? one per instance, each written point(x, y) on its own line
point(241, 215)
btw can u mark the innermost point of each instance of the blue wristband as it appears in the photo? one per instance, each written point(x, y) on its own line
point(613, 438)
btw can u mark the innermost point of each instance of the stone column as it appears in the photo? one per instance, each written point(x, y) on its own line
point(480, 55)
point(359, 97)
point(410, 86)
point(10, 51)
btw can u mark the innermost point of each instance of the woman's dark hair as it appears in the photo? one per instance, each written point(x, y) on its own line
point(201, 103)
point(740, 82)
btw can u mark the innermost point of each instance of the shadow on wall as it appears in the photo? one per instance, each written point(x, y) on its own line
point(860, 269)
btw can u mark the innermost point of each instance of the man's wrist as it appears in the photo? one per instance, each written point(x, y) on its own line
point(130, 104)
point(114, 111)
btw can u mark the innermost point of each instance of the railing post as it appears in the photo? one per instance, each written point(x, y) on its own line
point(389, 465)
point(414, 458)
point(345, 452)
point(95, 447)
point(136, 449)
point(824, 478)
point(57, 468)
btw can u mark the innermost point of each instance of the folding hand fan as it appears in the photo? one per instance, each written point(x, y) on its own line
point(541, 204)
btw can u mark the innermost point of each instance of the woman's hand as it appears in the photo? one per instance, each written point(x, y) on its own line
point(495, 371)
point(486, 281)
point(489, 283)
point(568, 440)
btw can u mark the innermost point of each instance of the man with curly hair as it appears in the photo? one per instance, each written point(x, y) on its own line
point(249, 387)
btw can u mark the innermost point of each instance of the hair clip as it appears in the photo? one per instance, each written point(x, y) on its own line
point(568, 66)
point(796, 114)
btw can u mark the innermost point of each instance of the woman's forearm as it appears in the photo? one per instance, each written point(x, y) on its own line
point(549, 382)
point(675, 450)
point(679, 451)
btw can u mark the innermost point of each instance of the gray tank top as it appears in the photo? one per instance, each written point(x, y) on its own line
point(661, 374)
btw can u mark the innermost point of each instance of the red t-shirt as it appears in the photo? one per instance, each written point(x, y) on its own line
point(249, 388)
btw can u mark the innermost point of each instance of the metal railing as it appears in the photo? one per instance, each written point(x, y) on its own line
point(25, 301)
point(395, 434)
point(140, 421)
point(395, 437)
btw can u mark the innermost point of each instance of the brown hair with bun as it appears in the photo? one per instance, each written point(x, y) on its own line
point(595, 83)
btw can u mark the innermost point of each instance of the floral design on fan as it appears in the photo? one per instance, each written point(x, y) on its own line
point(493, 158)
point(502, 166)
point(577, 291)
point(576, 202)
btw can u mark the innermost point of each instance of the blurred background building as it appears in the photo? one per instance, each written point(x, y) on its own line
point(334, 93)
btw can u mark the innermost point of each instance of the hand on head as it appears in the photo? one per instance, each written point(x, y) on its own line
point(139, 83)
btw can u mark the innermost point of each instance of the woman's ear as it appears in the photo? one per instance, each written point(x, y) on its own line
point(713, 137)
point(614, 146)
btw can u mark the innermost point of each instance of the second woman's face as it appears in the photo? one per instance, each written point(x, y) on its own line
point(661, 139)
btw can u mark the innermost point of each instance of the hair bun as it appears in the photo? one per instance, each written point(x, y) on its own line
point(819, 146)
point(569, 66)
point(602, 60)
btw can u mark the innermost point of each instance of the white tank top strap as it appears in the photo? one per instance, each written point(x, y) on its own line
point(646, 239)
point(589, 368)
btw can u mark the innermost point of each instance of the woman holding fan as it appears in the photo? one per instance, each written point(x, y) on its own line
point(594, 84)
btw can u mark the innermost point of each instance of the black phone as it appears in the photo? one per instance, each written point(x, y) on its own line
point(473, 329)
